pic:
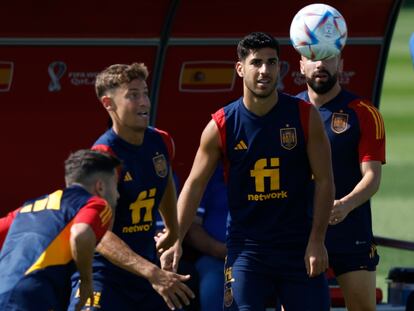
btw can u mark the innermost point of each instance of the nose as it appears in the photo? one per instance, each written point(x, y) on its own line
point(264, 68)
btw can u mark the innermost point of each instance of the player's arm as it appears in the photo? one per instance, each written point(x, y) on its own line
point(319, 154)
point(89, 225)
point(204, 164)
point(167, 284)
point(371, 152)
point(363, 191)
point(82, 244)
point(198, 238)
point(168, 212)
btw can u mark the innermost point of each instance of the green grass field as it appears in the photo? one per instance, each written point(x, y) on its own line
point(393, 205)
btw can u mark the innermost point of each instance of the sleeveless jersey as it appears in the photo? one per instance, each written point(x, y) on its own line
point(356, 132)
point(142, 182)
point(38, 239)
point(268, 174)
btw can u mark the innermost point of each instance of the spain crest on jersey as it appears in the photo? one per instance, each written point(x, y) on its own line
point(288, 138)
point(339, 122)
point(160, 165)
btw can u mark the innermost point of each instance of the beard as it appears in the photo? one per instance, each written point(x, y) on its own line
point(322, 87)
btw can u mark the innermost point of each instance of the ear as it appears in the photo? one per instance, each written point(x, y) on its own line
point(108, 103)
point(301, 65)
point(99, 187)
point(239, 69)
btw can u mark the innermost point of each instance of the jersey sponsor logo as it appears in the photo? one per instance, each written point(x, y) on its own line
point(339, 123)
point(288, 138)
point(241, 145)
point(141, 212)
point(266, 174)
point(160, 165)
point(128, 177)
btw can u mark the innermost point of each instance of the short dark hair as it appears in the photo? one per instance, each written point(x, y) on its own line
point(81, 165)
point(118, 74)
point(255, 41)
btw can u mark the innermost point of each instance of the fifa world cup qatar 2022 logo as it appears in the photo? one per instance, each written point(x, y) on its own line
point(56, 71)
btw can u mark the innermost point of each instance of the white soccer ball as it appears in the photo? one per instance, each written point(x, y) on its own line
point(318, 31)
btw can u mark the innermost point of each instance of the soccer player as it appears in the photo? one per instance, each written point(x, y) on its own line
point(49, 237)
point(271, 145)
point(356, 132)
point(125, 273)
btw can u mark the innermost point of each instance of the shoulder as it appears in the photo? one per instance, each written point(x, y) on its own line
point(227, 111)
point(166, 138)
point(364, 108)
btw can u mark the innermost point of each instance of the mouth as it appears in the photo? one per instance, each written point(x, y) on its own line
point(263, 82)
point(321, 75)
point(143, 114)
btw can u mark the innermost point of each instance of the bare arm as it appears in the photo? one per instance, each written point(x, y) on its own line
point(319, 154)
point(168, 284)
point(120, 254)
point(363, 191)
point(82, 242)
point(198, 238)
point(205, 162)
point(168, 212)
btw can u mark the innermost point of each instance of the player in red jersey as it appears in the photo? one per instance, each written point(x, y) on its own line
point(48, 238)
point(357, 135)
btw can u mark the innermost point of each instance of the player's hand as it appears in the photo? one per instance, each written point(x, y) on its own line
point(170, 258)
point(316, 258)
point(171, 288)
point(85, 293)
point(164, 240)
point(338, 213)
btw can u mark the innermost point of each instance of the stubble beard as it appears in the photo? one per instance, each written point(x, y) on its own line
point(263, 95)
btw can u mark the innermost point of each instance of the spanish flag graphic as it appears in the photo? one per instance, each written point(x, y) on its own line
point(207, 76)
point(6, 74)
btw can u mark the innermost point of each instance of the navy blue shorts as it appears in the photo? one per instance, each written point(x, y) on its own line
point(249, 284)
point(110, 294)
point(346, 262)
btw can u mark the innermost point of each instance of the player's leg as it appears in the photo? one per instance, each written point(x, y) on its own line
point(245, 285)
point(358, 288)
point(311, 294)
point(355, 273)
point(211, 275)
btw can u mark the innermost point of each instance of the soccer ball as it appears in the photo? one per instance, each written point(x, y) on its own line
point(318, 31)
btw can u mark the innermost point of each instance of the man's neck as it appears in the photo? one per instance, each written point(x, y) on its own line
point(130, 136)
point(258, 105)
